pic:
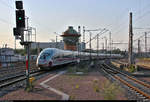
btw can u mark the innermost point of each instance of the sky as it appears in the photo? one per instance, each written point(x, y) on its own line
point(49, 16)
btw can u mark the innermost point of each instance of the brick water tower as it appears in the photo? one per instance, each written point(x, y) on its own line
point(70, 38)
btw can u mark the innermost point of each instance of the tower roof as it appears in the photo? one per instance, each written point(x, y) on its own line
point(70, 30)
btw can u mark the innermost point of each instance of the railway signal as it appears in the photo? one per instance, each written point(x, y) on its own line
point(19, 33)
point(19, 5)
point(16, 32)
point(20, 19)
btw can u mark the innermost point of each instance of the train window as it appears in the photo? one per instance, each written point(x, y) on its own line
point(44, 56)
point(56, 57)
point(68, 56)
point(61, 56)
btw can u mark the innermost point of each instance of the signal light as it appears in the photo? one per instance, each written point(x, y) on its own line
point(20, 19)
point(16, 32)
point(19, 5)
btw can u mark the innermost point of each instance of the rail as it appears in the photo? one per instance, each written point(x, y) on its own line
point(14, 79)
point(135, 84)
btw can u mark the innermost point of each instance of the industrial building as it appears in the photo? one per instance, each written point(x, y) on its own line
point(59, 45)
point(42, 45)
point(7, 56)
point(70, 42)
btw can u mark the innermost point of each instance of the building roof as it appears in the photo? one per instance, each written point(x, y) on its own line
point(70, 30)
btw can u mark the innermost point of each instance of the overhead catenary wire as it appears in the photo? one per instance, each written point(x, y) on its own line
point(6, 4)
point(141, 36)
point(100, 33)
point(4, 21)
point(9, 6)
point(121, 26)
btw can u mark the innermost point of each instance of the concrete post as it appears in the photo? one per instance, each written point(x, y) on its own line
point(130, 47)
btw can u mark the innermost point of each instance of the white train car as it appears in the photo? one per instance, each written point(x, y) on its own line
point(51, 57)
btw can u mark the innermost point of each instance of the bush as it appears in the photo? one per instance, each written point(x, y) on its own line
point(110, 90)
point(72, 97)
point(96, 88)
point(81, 67)
point(71, 69)
point(132, 68)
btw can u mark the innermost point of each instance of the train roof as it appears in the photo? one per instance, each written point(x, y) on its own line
point(66, 52)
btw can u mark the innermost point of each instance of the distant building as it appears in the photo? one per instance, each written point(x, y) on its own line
point(6, 56)
point(6, 51)
point(59, 45)
point(42, 45)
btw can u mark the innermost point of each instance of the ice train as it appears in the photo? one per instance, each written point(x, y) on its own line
point(51, 57)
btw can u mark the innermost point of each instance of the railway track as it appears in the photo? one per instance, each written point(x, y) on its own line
point(23, 67)
point(14, 79)
point(13, 71)
point(138, 86)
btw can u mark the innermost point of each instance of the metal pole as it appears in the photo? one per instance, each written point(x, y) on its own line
point(38, 48)
point(78, 41)
point(15, 43)
point(79, 30)
point(110, 42)
point(83, 34)
point(146, 44)
point(139, 49)
point(106, 44)
point(56, 41)
point(28, 30)
point(97, 44)
point(35, 40)
point(28, 60)
point(27, 72)
point(103, 46)
point(111, 46)
point(35, 34)
point(90, 46)
point(28, 56)
point(130, 51)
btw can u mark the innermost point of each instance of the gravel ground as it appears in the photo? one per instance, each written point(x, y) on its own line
point(86, 87)
point(92, 86)
point(16, 91)
point(145, 79)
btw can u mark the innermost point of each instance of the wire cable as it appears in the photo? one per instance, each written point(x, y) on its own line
point(6, 4)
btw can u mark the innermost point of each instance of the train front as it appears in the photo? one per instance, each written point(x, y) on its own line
point(44, 60)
